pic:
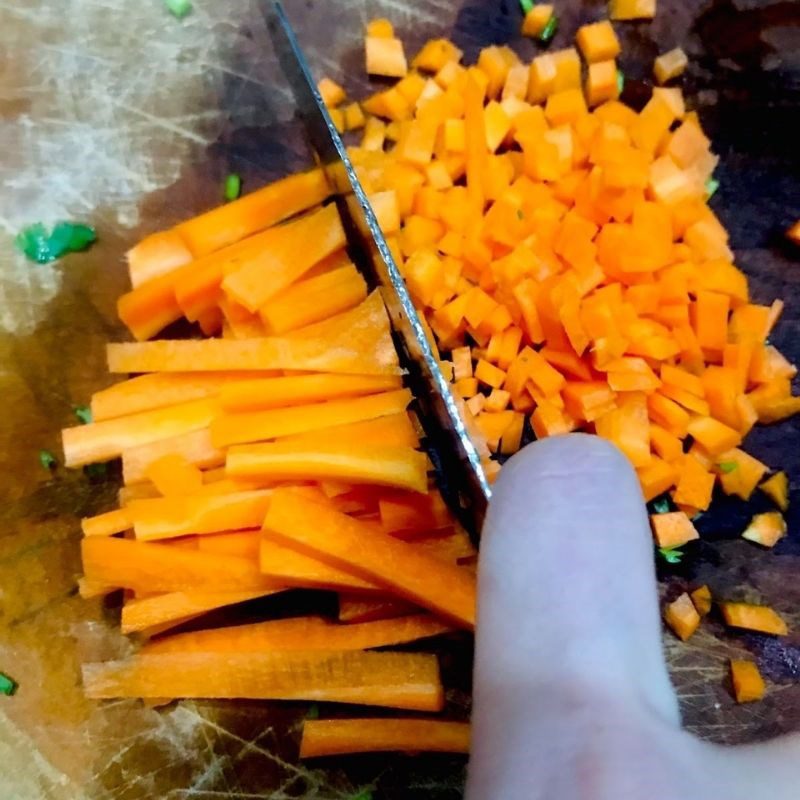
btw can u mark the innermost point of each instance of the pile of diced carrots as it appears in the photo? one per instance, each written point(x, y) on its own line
point(560, 247)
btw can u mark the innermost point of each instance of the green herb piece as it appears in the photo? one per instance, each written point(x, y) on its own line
point(364, 794)
point(47, 460)
point(313, 711)
point(549, 30)
point(42, 246)
point(83, 413)
point(526, 5)
point(178, 8)
point(95, 471)
point(620, 81)
point(233, 186)
point(672, 555)
point(661, 505)
point(8, 686)
point(727, 466)
point(712, 184)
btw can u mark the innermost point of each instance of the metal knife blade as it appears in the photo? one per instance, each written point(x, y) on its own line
point(462, 478)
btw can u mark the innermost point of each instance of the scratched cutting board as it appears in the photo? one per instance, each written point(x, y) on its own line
point(113, 112)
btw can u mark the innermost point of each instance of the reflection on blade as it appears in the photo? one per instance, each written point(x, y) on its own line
point(461, 475)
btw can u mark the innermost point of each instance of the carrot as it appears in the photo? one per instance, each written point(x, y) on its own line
point(163, 611)
point(739, 473)
point(392, 680)
point(149, 568)
point(289, 390)
point(102, 441)
point(317, 528)
point(408, 512)
point(355, 608)
point(170, 517)
point(400, 467)
point(156, 255)
point(356, 342)
point(333, 737)
point(753, 618)
point(301, 633)
point(392, 430)
point(669, 65)
point(195, 447)
point(234, 221)
point(701, 597)
point(682, 617)
point(173, 475)
point(117, 521)
point(673, 529)
point(385, 56)
point(766, 529)
point(748, 685)
point(230, 429)
point(777, 489)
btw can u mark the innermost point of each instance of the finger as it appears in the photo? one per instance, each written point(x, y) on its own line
point(567, 609)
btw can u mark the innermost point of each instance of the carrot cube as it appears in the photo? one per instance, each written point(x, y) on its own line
point(669, 65)
point(682, 617)
point(701, 597)
point(777, 489)
point(753, 618)
point(385, 57)
point(490, 375)
point(598, 42)
point(601, 82)
point(748, 685)
point(632, 9)
point(536, 19)
point(673, 529)
point(766, 529)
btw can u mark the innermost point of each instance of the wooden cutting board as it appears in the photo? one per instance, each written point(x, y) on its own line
point(115, 113)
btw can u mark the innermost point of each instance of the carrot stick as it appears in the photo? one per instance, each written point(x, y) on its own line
point(255, 211)
point(116, 521)
point(301, 633)
point(170, 517)
point(293, 249)
point(146, 392)
point(356, 342)
point(392, 680)
point(173, 475)
point(88, 589)
point(150, 568)
point(138, 491)
point(244, 544)
point(393, 430)
point(333, 737)
point(173, 608)
point(400, 467)
point(102, 441)
point(156, 255)
point(230, 429)
point(315, 527)
point(289, 390)
point(357, 608)
point(753, 618)
point(195, 447)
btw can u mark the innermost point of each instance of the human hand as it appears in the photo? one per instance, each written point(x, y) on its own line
point(572, 700)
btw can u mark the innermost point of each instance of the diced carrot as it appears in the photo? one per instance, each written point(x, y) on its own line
point(385, 56)
point(319, 528)
point(601, 82)
point(682, 617)
point(739, 472)
point(777, 489)
point(597, 41)
point(332, 737)
point(628, 427)
point(753, 618)
point(669, 65)
point(331, 92)
point(394, 680)
point(301, 633)
point(665, 444)
point(748, 685)
point(536, 19)
point(173, 475)
point(766, 529)
point(715, 437)
point(435, 54)
point(694, 484)
point(701, 597)
point(673, 529)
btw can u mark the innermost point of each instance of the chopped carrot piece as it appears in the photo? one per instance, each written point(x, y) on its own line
point(682, 617)
point(393, 680)
point(748, 685)
point(632, 9)
point(382, 28)
point(331, 92)
point(673, 529)
point(694, 484)
point(332, 737)
point(597, 41)
point(753, 618)
point(739, 472)
point(173, 475)
point(601, 82)
point(701, 597)
point(777, 489)
point(195, 447)
point(766, 529)
point(536, 19)
point(669, 65)
point(385, 56)
point(715, 437)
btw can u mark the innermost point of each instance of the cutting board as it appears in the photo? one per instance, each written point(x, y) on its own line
point(117, 114)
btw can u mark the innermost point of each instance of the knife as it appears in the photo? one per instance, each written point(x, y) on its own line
point(462, 480)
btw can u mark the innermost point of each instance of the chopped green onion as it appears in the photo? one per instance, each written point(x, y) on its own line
point(233, 186)
point(620, 81)
point(42, 246)
point(8, 686)
point(178, 8)
point(727, 466)
point(84, 414)
point(712, 184)
point(364, 794)
point(526, 5)
point(661, 505)
point(313, 711)
point(672, 555)
point(47, 460)
point(549, 30)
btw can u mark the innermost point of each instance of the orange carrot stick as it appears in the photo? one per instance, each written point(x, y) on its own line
point(195, 447)
point(244, 544)
point(302, 633)
point(163, 611)
point(748, 685)
point(255, 211)
point(400, 467)
point(102, 441)
point(358, 608)
point(393, 430)
point(173, 475)
point(315, 527)
point(230, 429)
point(116, 521)
point(156, 255)
point(150, 568)
point(393, 680)
point(290, 390)
point(333, 737)
point(753, 618)
point(293, 249)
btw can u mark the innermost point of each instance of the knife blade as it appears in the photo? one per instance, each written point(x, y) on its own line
point(461, 476)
